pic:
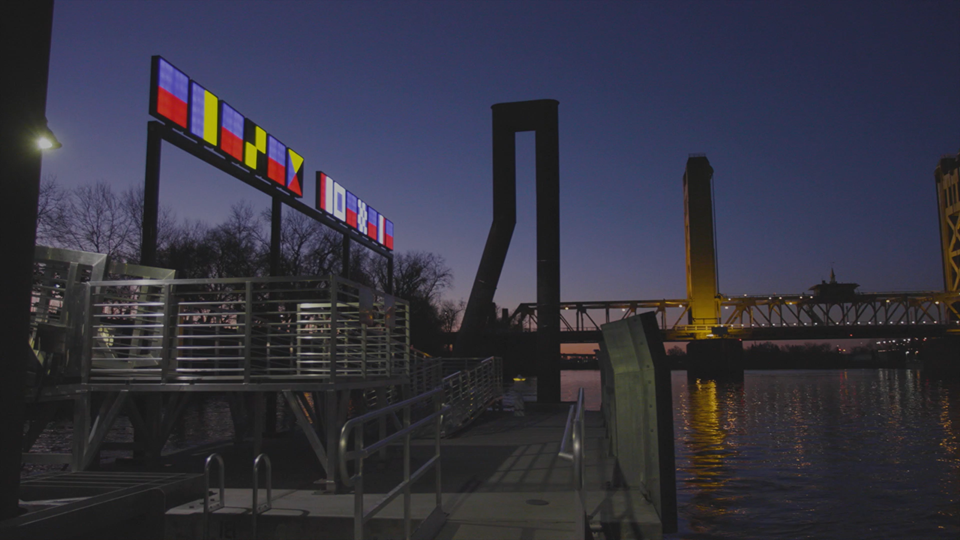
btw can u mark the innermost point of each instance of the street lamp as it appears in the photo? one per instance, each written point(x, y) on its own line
point(45, 138)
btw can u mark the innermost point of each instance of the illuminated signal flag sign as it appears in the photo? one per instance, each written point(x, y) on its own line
point(335, 200)
point(176, 98)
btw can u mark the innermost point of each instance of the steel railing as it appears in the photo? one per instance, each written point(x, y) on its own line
point(574, 433)
point(243, 330)
point(469, 391)
point(405, 432)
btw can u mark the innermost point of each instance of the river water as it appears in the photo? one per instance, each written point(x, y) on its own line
point(854, 454)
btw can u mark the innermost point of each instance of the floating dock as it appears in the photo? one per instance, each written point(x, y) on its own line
point(502, 478)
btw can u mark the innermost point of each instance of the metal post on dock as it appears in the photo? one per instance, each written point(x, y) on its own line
point(211, 504)
point(256, 507)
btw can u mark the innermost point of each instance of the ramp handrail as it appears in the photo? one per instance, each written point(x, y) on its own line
point(217, 504)
point(361, 452)
point(574, 432)
point(257, 508)
point(471, 390)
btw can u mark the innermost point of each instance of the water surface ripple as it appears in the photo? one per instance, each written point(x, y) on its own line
point(855, 454)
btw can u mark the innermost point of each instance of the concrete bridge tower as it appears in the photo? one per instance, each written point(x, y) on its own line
point(701, 252)
point(947, 175)
point(709, 358)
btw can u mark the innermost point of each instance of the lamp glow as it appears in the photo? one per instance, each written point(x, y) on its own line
point(47, 140)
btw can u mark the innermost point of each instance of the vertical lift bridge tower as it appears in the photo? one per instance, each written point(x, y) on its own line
point(701, 252)
point(706, 357)
point(947, 175)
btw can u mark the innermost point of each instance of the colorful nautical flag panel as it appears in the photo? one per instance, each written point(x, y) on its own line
point(387, 234)
point(372, 225)
point(294, 173)
point(169, 92)
point(351, 210)
point(203, 113)
point(176, 98)
point(362, 216)
point(339, 202)
point(231, 131)
point(333, 199)
point(324, 193)
point(254, 147)
point(276, 160)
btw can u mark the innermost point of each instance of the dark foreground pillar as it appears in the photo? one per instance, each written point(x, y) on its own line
point(26, 46)
point(715, 359)
point(940, 358)
point(509, 118)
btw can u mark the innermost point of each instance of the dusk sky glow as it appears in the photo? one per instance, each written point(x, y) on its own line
point(824, 122)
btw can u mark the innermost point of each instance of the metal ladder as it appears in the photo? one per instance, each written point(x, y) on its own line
point(213, 503)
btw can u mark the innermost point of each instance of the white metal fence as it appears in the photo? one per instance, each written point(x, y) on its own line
point(243, 330)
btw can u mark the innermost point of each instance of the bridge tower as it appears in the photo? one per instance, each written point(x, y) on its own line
point(947, 175)
point(701, 251)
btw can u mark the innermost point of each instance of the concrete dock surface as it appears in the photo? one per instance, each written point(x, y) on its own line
point(501, 478)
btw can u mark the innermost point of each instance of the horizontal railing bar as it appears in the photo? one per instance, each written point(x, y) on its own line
point(396, 491)
point(373, 448)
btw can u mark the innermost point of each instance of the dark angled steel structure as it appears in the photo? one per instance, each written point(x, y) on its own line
point(539, 116)
point(26, 46)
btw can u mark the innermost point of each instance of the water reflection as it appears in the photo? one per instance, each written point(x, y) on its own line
point(710, 449)
point(818, 454)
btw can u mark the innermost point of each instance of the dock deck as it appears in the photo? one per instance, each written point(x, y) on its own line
point(502, 478)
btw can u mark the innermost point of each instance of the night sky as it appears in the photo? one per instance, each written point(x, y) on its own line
point(823, 121)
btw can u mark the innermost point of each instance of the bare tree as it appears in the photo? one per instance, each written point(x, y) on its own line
point(239, 246)
point(50, 209)
point(420, 277)
point(449, 314)
point(131, 203)
point(307, 248)
point(188, 251)
point(92, 218)
point(416, 274)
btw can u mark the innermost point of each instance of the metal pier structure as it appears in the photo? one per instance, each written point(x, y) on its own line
point(119, 339)
point(331, 347)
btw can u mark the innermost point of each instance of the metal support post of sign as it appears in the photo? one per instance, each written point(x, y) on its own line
point(276, 214)
point(151, 196)
point(276, 237)
point(332, 430)
point(345, 258)
point(389, 285)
